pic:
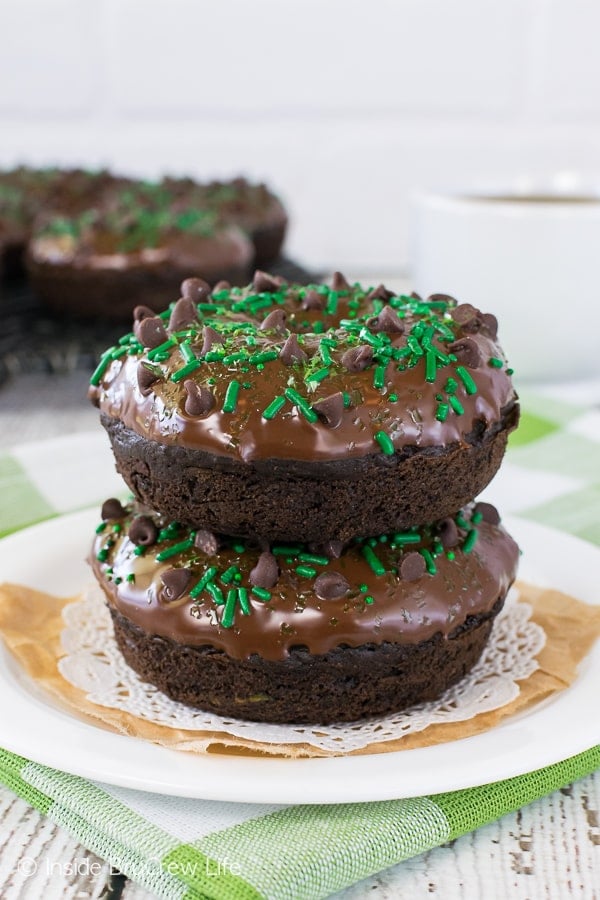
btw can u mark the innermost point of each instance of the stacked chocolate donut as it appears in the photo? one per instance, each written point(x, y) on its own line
point(303, 544)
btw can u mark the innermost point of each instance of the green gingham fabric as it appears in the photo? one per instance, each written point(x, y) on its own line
point(177, 847)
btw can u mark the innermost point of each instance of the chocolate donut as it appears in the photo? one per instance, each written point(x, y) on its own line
point(296, 633)
point(307, 413)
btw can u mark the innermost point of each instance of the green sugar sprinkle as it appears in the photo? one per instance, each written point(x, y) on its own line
point(442, 412)
point(261, 593)
point(510, 371)
point(234, 357)
point(347, 399)
point(238, 547)
point(162, 348)
point(476, 518)
point(181, 547)
point(369, 600)
point(318, 327)
point(306, 410)
point(306, 571)
point(100, 528)
point(267, 356)
point(451, 555)
point(313, 558)
point(495, 363)
point(379, 377)
point(393, 398)
point(208, 576)
point(414, 345)
point(244, 602)
point(465, 377)
point(429, 562)
point(101, 368)
point(373, 560)
point(216, 593)
point(332, 304)
point(319, 375)
point(139, 551)
point(451, 385)
point(470, 540)
point(229, 611)
point(186, 370)
point(102, 555)
point(283, 550)
point(385, 442)
point(186, 351)
point(229, 574)
point(231, 397)
point(456, 405)
point(406, 537)
point(430, 366)
point(131, 578)
point(325, 353)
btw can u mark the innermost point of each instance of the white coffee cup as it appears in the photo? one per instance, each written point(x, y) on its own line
point(529, 253)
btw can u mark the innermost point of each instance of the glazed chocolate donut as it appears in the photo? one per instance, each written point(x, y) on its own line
point(296, 633)
point(307, 413)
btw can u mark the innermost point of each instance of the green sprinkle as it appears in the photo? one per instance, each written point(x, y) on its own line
point(100, 528)
point(267, 356)
point(369, 600)
point(363, 587)
point(470, 541)
point(393, 398)
point(414, 345)
point(101, 368)
point(476, 518)
point(131, 578)
point(208, 576)
point(181, 547)
point(319, 375)
point(430, 366)
point(238, 547)
point(318, 327)
point(162, 348)
point(229, 574)
point(347, 399)
point(244, 602)
point(407, 537)
point(118, 353)
point(139, 551)
point(216, 593)
point(331, 305)
point(261, 593)
point(373, 560)
point(465, 377)
point(102, 555)
point(510, 371)
point(186, 351)
point(231, 397)
point(442, 412)
point(215, 356)
point(306, 571)
point(234, 357)
point(313, 558)
point(325, 353)
point(283, 550)
point(456, 405)
point(385, 442)
point(429, 561)
point(186, 370)
point(495, 363)
point(306, 410)
point(450, 554)
point(379, 377)
point(451, 385)
point(229, 611)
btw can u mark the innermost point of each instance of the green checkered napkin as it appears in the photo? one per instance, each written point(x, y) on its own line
point(191, 848)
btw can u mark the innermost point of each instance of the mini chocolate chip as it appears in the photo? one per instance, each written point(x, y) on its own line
point(292, 352)
point(438, 298)
point(265, 574)
point(489, 324)
point(380, 293)
point(143, 531)
point(151, 332)
point(466, 351)
point(489, 513)
point(358, 358)
point(146, 377)
point(112, 509)
point(206, 541)
point(196, 289)
point(330, 409)
point(175, 583)
point(448, 531)
point(184, 314)
point(274, 321)
point(467, 316)
point(412, 567)
point(142, 312)
point(264, 283)
point(221, 286)
point(313, 300)
point(332, 549)
point(387, 321)
point(415, 296)
point(339, 283)
point(199, 400)
point(210, 337)
point(330, 586)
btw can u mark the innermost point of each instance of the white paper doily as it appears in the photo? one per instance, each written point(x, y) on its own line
point(94, 664)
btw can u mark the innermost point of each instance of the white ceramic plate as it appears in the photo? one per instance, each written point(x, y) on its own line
point(51, 557)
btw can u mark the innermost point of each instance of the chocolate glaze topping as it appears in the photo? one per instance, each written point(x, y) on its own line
point(401, 588)
point(278, 361)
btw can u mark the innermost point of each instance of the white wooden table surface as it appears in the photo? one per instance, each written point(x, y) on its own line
point(550, 849)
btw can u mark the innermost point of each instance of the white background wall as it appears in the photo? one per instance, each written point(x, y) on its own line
point(345, 106)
